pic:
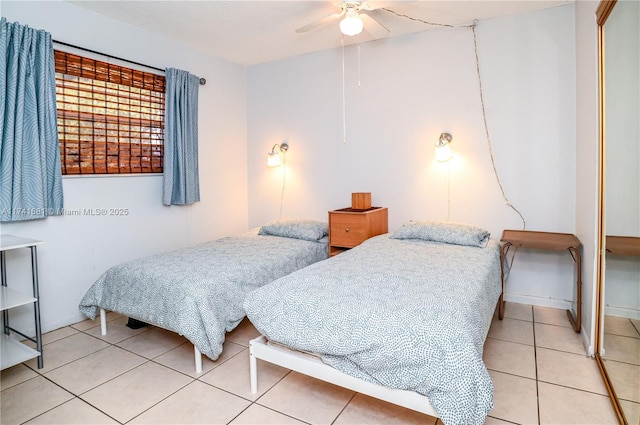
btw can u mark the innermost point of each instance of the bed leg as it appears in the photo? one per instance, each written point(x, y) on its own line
point(198, 359)
point(253, 372)
point(103, 321)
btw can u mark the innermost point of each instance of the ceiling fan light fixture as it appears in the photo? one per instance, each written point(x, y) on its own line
point(351, 24)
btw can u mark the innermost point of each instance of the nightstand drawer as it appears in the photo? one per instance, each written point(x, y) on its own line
point(348, 230)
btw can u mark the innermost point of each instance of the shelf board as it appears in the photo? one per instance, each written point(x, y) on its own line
point(10, 299)
point(13, 352)
point(8, 242)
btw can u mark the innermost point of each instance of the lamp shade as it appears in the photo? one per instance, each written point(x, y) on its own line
point(443, 150)
point(273, 159)
point(351, 24)
point(443, 153)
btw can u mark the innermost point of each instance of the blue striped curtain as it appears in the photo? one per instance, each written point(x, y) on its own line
point(30, 176)
point(181, 184)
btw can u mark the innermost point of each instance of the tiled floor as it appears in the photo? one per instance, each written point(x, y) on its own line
point(622, 361)
point(537, 363)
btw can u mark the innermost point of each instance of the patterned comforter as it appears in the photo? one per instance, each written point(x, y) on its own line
point(407, 314)
point(198, 291)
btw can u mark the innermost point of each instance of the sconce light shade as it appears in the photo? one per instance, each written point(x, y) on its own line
point(273, 157)
point(443, 150)
point(273, 160)
point(351, 24)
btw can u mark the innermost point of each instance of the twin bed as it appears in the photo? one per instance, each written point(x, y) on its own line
point(198, 291)
point(402, 317)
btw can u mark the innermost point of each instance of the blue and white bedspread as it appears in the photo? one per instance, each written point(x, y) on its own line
point(406, 314)
point(198, 291)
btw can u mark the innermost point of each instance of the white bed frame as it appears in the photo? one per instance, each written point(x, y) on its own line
point(259, 348)
point(196, 353)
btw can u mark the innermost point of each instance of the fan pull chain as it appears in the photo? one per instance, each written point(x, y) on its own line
point(358, 64)
point(344, 102)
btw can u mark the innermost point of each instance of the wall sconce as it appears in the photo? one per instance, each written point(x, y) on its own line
point(351, 24)
point(273, 158)
point(443, 150)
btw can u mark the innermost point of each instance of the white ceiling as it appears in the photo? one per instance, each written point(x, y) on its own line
point(252, 32)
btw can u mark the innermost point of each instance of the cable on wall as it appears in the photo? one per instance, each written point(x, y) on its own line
point(484, 112)
point(486, 128)
point(284, 179)
point(448, 193)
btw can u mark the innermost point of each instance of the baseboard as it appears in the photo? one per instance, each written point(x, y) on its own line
point(629, 313)
point(539, 301)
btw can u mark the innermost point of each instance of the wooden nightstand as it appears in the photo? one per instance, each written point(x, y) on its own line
point(548, 241)
point(349, 227)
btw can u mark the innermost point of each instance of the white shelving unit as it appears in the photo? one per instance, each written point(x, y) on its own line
point(13, 351)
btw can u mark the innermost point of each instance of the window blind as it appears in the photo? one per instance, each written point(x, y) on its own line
point(110, 117)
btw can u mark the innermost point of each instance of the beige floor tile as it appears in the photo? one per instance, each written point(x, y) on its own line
point(182, 358)
point(117, 331)
point(512, 330)
point(29, 399)
point(494, 421)
point(625, 378)
point(243, 333)
point(570, 370)
point(636, 324)
point(510, 357)
point(153, 343)
point(132, 393)
point(631, 411)
point(95, 369)
point(233, 376)
point(57, 334)
point(73, 412)
point(558, 338)
point(368, 411)
point(561, 405)
point(620, 326)
point(86, 324)
point(66, 350)
point(197, 403)
point(15, 375)
point(514, 398)
point(257, 414)
point(551, 316)
point(518, 311)
point(622, 349)
point(307, 399)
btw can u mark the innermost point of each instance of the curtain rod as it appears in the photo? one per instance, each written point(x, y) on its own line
point(202, 80)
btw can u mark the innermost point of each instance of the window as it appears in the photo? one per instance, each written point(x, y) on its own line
point(110, 118)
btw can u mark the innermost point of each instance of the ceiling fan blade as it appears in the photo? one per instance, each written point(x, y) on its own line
point(320, 22)
point(372, 25)
point(374, 5)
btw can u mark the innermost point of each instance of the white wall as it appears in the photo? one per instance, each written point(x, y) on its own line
point(411, 89)
point(78, 249)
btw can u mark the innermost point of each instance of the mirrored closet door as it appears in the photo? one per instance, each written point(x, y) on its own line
point(618, 342)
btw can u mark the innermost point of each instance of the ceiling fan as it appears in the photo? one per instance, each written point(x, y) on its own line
point(356, 15)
